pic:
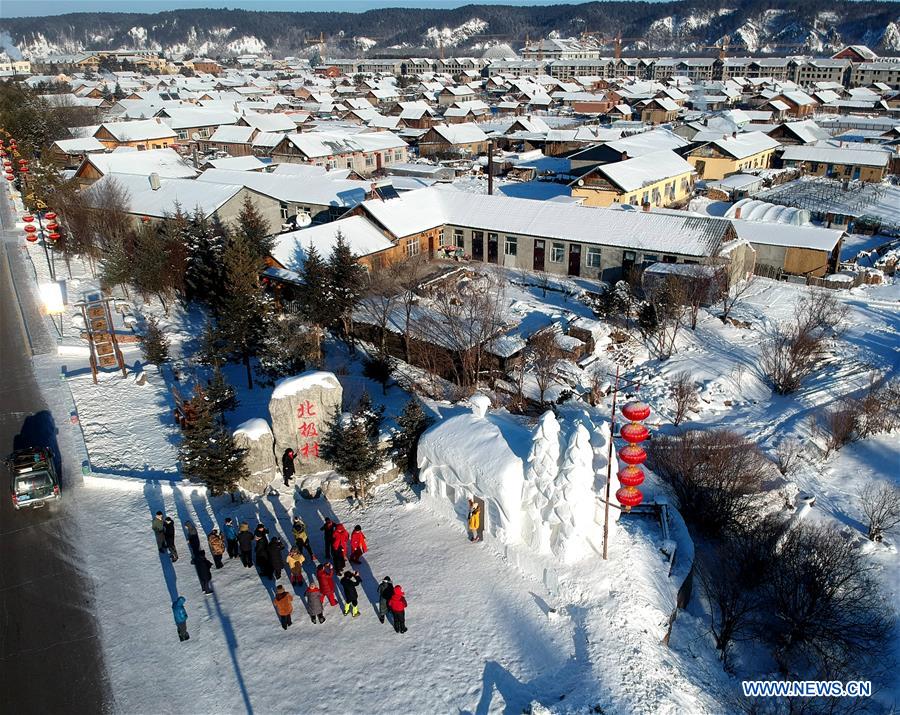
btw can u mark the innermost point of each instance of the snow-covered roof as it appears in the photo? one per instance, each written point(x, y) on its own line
point(139, 130)
point(632, 174)
point(772, 234)
point(270, 122)
point(755, 210)
point(461, 133)
point(238, 163)
point(144, 200)
point(190, 117)
point(746, 144)
point(361, 235)
point(164, 162)
point(232, 134)
point(836, 155)
point(421, 210)
point(322, 144)
point(648, 142)
point(300, 190)
point(79, 146)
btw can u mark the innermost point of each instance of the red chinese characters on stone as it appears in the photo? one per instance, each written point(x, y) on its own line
point(307, 409)
point(310, 450)
point(308, 429)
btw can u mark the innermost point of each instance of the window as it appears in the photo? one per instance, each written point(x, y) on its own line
point(284, 212)
point(511, 246)
point(650, 258)
point(457, 237)
point(557, 253)
point(412, 247)
point(441, 237)
point(369, 160)
point(645, 198)
point(593, 257)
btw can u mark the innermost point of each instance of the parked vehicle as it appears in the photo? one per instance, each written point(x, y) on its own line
point(33, 480)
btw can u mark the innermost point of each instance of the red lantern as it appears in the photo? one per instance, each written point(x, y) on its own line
point(23, 169)
point(54, 236)
point(635, 411)
point(28, 218)
point(31, 228)
point(634, 432)
point(631, 476)
point(633, 454)
point(7, 163)
point(31, 237)
point(629, 497)
point(49, 215)
point(23, 161)
point(10, 177)
point(52, 226)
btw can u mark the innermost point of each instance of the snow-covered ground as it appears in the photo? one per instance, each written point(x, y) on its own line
point(482, 637)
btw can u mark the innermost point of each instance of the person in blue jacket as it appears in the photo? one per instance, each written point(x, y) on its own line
point(230, 532)
point(180, 614)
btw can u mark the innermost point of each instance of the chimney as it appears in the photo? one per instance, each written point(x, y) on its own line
point(158, 120)
point(154, 181)
point(624, 156)
point(734, 135)
point(737, 211)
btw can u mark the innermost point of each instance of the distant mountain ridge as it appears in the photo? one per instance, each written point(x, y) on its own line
point(681, 27)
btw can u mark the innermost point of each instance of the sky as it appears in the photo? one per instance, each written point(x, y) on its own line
point(35, 8)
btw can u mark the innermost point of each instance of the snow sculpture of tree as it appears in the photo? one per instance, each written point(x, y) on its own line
point(540, 474)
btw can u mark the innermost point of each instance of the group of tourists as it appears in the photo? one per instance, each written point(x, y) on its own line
point(256, 548)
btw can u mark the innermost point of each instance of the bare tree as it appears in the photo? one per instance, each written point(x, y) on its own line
point(795, 348)
point(409, 274)
point(881, 506)
point(699, 289)
point(730, 290)
point(827, 609)
point(541, 357)
point(381, 298)
point(684, 394)
point(668, 300)
point(841, 426)
point(788, 454)
point(712, 473)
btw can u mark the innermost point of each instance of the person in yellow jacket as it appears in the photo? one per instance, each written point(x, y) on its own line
point(474, 521)
point(295, 566)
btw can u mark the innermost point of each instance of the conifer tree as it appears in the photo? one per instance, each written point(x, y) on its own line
point(255, 229)
point(412, 423)
point(211, 344)
point(207, 452)
point(219, 392)
point(246, 309)
point(204, 242)
point(150, 265)
point(351, 445)
point(116, 266)
point(154, 343)
point(314, 303)
point(347, 284)
point(289, 344)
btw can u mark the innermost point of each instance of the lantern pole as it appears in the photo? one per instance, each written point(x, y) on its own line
point(612, 432)
point(44, 244)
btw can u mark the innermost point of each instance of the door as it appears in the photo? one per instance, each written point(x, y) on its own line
point(493, 247)
point(574, 259)
point(628, 258)
point(538, 264)
point(378, 161)
point(477, 246)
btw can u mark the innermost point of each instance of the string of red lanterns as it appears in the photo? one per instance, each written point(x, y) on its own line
point(632, 476)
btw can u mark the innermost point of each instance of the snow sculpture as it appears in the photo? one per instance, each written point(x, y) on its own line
point(257, 439)
point(302, 409)
point(571, 518)
point(540, 473)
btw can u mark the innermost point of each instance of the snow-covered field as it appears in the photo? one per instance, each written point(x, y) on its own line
point(482, 636)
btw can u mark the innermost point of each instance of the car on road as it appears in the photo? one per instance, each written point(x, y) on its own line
point(33, 478)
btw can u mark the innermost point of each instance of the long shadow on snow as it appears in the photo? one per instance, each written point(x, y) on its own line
point(155, 502)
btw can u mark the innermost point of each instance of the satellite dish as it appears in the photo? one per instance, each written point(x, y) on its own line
point(581, 182)
point(303, 219)
point(195, 136)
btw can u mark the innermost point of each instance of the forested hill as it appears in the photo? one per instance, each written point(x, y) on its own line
point(691, 26)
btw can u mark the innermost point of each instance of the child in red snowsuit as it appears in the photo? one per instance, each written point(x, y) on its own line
point(397, 604)
point(325, 576)
point(340, 538)
point(358, 545)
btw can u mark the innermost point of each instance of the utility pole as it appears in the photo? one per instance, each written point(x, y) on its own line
point(491, 166)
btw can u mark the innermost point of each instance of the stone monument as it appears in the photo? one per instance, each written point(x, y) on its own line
point(302, 409)
point(255, 436)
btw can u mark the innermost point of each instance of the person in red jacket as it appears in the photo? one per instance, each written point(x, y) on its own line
point(397, 604)
point(325, 575)
point(358, 545)
point(340, 538)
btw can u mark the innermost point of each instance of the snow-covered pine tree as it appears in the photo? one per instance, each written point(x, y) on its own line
point(219, 392)
point(204, 243)
point(150, 265)
point(313, 298)
point(359, 456)
point(572, 502)
point(371, 415)
point(288, 346)
point(207, 452)
point(412, 423)
point(246, 309)
point(211, 344)
point(154, 343)
point(255, 229)
point(541, 471)
point(116, 265)
point(347, 284)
